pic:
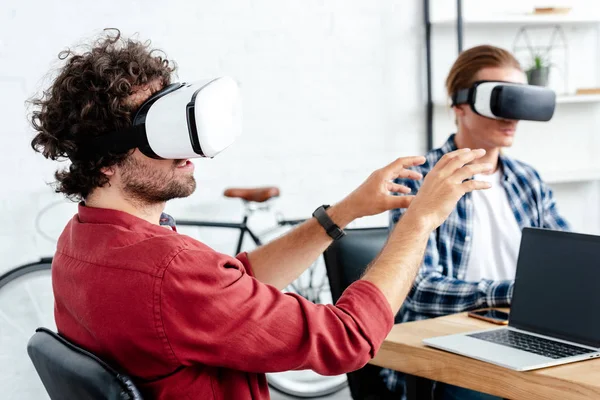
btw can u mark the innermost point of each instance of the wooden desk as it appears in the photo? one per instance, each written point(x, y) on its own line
point(403, 351)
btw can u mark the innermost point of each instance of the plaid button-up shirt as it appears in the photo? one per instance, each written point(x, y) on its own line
point(440, 288)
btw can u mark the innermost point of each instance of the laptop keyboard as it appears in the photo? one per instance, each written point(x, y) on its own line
point(532, 344)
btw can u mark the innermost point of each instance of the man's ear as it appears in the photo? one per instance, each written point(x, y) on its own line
point(108, 171)
point(460, 110)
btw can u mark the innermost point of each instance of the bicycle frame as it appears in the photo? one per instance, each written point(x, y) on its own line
point(242, 227)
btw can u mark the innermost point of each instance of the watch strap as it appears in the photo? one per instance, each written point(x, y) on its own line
point(334, 231)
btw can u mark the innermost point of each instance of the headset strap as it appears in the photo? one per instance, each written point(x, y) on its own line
point(119, 141)
point(461, 97)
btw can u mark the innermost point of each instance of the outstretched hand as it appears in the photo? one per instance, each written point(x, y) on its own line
point(446, 183)
point(378, 192)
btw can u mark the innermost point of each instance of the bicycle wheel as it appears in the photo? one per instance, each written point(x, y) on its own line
point(314, 286)
point(306, 384)
point(26, 303)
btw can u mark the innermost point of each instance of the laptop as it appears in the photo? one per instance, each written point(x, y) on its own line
point(555, 307)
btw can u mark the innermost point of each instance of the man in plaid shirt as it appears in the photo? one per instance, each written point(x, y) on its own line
point(470, 260)
point(440, 288)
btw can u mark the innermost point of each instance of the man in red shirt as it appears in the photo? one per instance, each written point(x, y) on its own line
point(185, 321)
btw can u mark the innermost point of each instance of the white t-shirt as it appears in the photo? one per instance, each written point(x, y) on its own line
point(496, 233)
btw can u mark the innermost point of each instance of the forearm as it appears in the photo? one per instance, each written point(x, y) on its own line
point(281, 261)
point(436, 295)
point(394, 270)
point(257, 328)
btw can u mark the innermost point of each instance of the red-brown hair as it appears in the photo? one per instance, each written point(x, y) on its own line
point(464, 71)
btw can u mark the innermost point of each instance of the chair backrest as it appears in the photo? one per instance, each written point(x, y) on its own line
point(346, 260)
point(69, 372)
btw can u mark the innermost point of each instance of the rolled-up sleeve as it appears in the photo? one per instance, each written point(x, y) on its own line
point(243, 258)
point(214, 312)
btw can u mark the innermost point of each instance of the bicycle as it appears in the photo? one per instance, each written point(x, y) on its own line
point(17, 284)
point(26, 303)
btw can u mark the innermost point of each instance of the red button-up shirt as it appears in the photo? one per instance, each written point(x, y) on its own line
point(186, 322)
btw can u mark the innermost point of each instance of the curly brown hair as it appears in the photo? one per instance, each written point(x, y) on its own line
point(88, 99)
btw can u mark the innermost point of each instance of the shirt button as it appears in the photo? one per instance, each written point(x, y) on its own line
point(467, 238)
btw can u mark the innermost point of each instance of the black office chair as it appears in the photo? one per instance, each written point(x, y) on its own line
point(346, 260)
point(69, 372)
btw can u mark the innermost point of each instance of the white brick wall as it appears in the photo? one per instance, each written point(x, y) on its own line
point(332, 90)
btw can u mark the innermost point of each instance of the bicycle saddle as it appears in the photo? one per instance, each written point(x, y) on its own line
point(258, 195)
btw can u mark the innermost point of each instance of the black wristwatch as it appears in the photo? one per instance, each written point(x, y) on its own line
point(334, 231)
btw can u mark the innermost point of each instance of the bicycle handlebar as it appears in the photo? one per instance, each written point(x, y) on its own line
point(290, 222)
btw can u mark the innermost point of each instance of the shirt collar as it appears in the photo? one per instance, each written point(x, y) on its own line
point(94, 215)
point(450, 145)
point(507, 168)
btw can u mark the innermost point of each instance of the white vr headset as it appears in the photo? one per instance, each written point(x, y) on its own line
point(506, 100)
point(183, 120)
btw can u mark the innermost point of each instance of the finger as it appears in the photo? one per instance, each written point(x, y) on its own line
point(399, 201)
point(409, 174)
point(470, 170)
point(472, 185)
point(397, 188)
point(446, 158)
point(396, 167)
point(461, 160)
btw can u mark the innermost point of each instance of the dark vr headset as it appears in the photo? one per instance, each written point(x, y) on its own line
point(506, 100)
point(183, 120)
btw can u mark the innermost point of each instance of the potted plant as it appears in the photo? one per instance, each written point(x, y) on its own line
point(539, 71)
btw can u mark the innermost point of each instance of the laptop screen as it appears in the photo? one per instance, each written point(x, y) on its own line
point(557, 287)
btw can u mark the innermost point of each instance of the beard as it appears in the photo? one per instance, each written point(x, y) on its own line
point(147, 185)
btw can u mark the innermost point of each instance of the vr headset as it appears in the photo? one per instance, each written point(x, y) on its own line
point(506, 100)
point(183, 120)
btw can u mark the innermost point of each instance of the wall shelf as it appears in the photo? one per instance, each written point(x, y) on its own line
point(578, 98)
point(571, 176)
point(520, 19)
